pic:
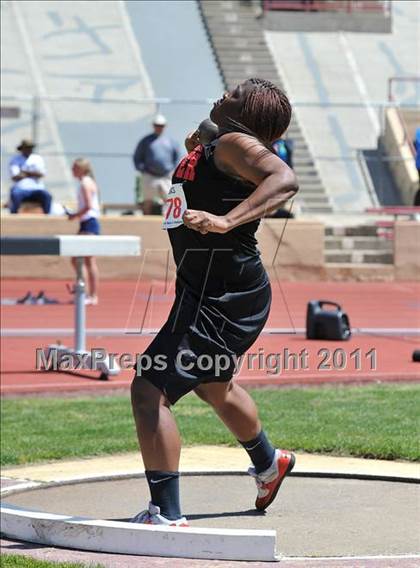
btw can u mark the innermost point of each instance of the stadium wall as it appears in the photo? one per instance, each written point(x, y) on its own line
point(300, 255)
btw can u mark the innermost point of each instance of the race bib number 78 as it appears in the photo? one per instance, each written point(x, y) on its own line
point(174, 208)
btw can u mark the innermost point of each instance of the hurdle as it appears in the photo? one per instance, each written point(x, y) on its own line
point(77, 246)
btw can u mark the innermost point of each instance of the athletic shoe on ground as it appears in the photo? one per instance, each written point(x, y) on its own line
point(152, 516)
point(26, 299)
point(269, 481)
point(42, 299)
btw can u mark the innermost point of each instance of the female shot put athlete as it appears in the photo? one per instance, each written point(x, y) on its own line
point(223, 293)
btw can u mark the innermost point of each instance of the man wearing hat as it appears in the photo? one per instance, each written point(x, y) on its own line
point(155, 157)
point(27, 170)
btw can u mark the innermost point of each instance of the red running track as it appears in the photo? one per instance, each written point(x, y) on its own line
point(387, 313)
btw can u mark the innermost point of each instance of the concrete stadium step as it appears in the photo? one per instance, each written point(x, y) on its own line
point(303, 179)
point(316, 190)
point(237, 75)
point(358, 243)
point(238, 42)
point(307, 209)
point(303, 162)
point(246, 57)
point(315, 200)
point(224, 8)
point(353, 231)
point(359, 257)
point(233, 82)
point(312, 193)
point(302, 147)
point(247, 70)
point(309, 171)
point(249, 31)
point(236, 28)
point(263, 67)
point(306, 197)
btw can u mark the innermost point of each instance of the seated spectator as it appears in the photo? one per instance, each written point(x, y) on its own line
point(26, 171)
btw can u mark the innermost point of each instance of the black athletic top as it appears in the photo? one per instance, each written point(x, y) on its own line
point(214, 262)
point(223, 294)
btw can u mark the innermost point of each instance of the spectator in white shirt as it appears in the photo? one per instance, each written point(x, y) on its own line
point(27, 170)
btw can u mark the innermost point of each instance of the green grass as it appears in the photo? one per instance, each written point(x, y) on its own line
point(17, 561)
point(379, 421)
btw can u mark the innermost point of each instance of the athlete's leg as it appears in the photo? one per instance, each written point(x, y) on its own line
point(147, 207)
point(157, 431)
point(74, 264)
point(149, 192)
point(238, 411)
point(160, 446)
point(93, 276)
point(234, 407)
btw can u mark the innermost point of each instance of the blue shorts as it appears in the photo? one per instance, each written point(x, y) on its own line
point(90, 226)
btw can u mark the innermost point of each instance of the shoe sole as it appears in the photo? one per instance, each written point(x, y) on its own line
point(274, 494)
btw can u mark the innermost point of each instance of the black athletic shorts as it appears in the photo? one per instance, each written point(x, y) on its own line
point(203, 337)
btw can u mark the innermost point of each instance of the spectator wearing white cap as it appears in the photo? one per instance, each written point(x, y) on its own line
point(155, 158)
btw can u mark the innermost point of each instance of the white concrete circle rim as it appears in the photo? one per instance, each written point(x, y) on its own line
point(127, 538)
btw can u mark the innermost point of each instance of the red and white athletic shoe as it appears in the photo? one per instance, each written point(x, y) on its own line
point(152, 516)
point(269, 481)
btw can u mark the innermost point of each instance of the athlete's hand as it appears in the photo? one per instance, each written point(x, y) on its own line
point(192, 140)
point(204, 222)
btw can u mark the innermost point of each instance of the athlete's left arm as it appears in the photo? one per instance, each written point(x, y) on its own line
point(243, 156)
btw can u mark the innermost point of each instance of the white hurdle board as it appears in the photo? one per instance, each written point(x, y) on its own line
point(72, 245)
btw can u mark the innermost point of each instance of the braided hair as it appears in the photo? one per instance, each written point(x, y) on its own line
point(266, 113)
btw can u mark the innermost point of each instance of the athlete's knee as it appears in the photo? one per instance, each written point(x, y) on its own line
point(145, 397)
point(214, 394)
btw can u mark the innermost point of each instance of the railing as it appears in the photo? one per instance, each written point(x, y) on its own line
point(348, 6)
point(391, 98)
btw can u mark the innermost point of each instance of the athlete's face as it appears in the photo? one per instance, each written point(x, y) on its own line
point(76, 171)
point(230, 106)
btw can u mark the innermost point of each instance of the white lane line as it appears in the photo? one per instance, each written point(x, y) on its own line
point(360, 84)
point(122, 332)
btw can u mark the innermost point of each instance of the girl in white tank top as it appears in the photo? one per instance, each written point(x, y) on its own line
point(87, 213)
